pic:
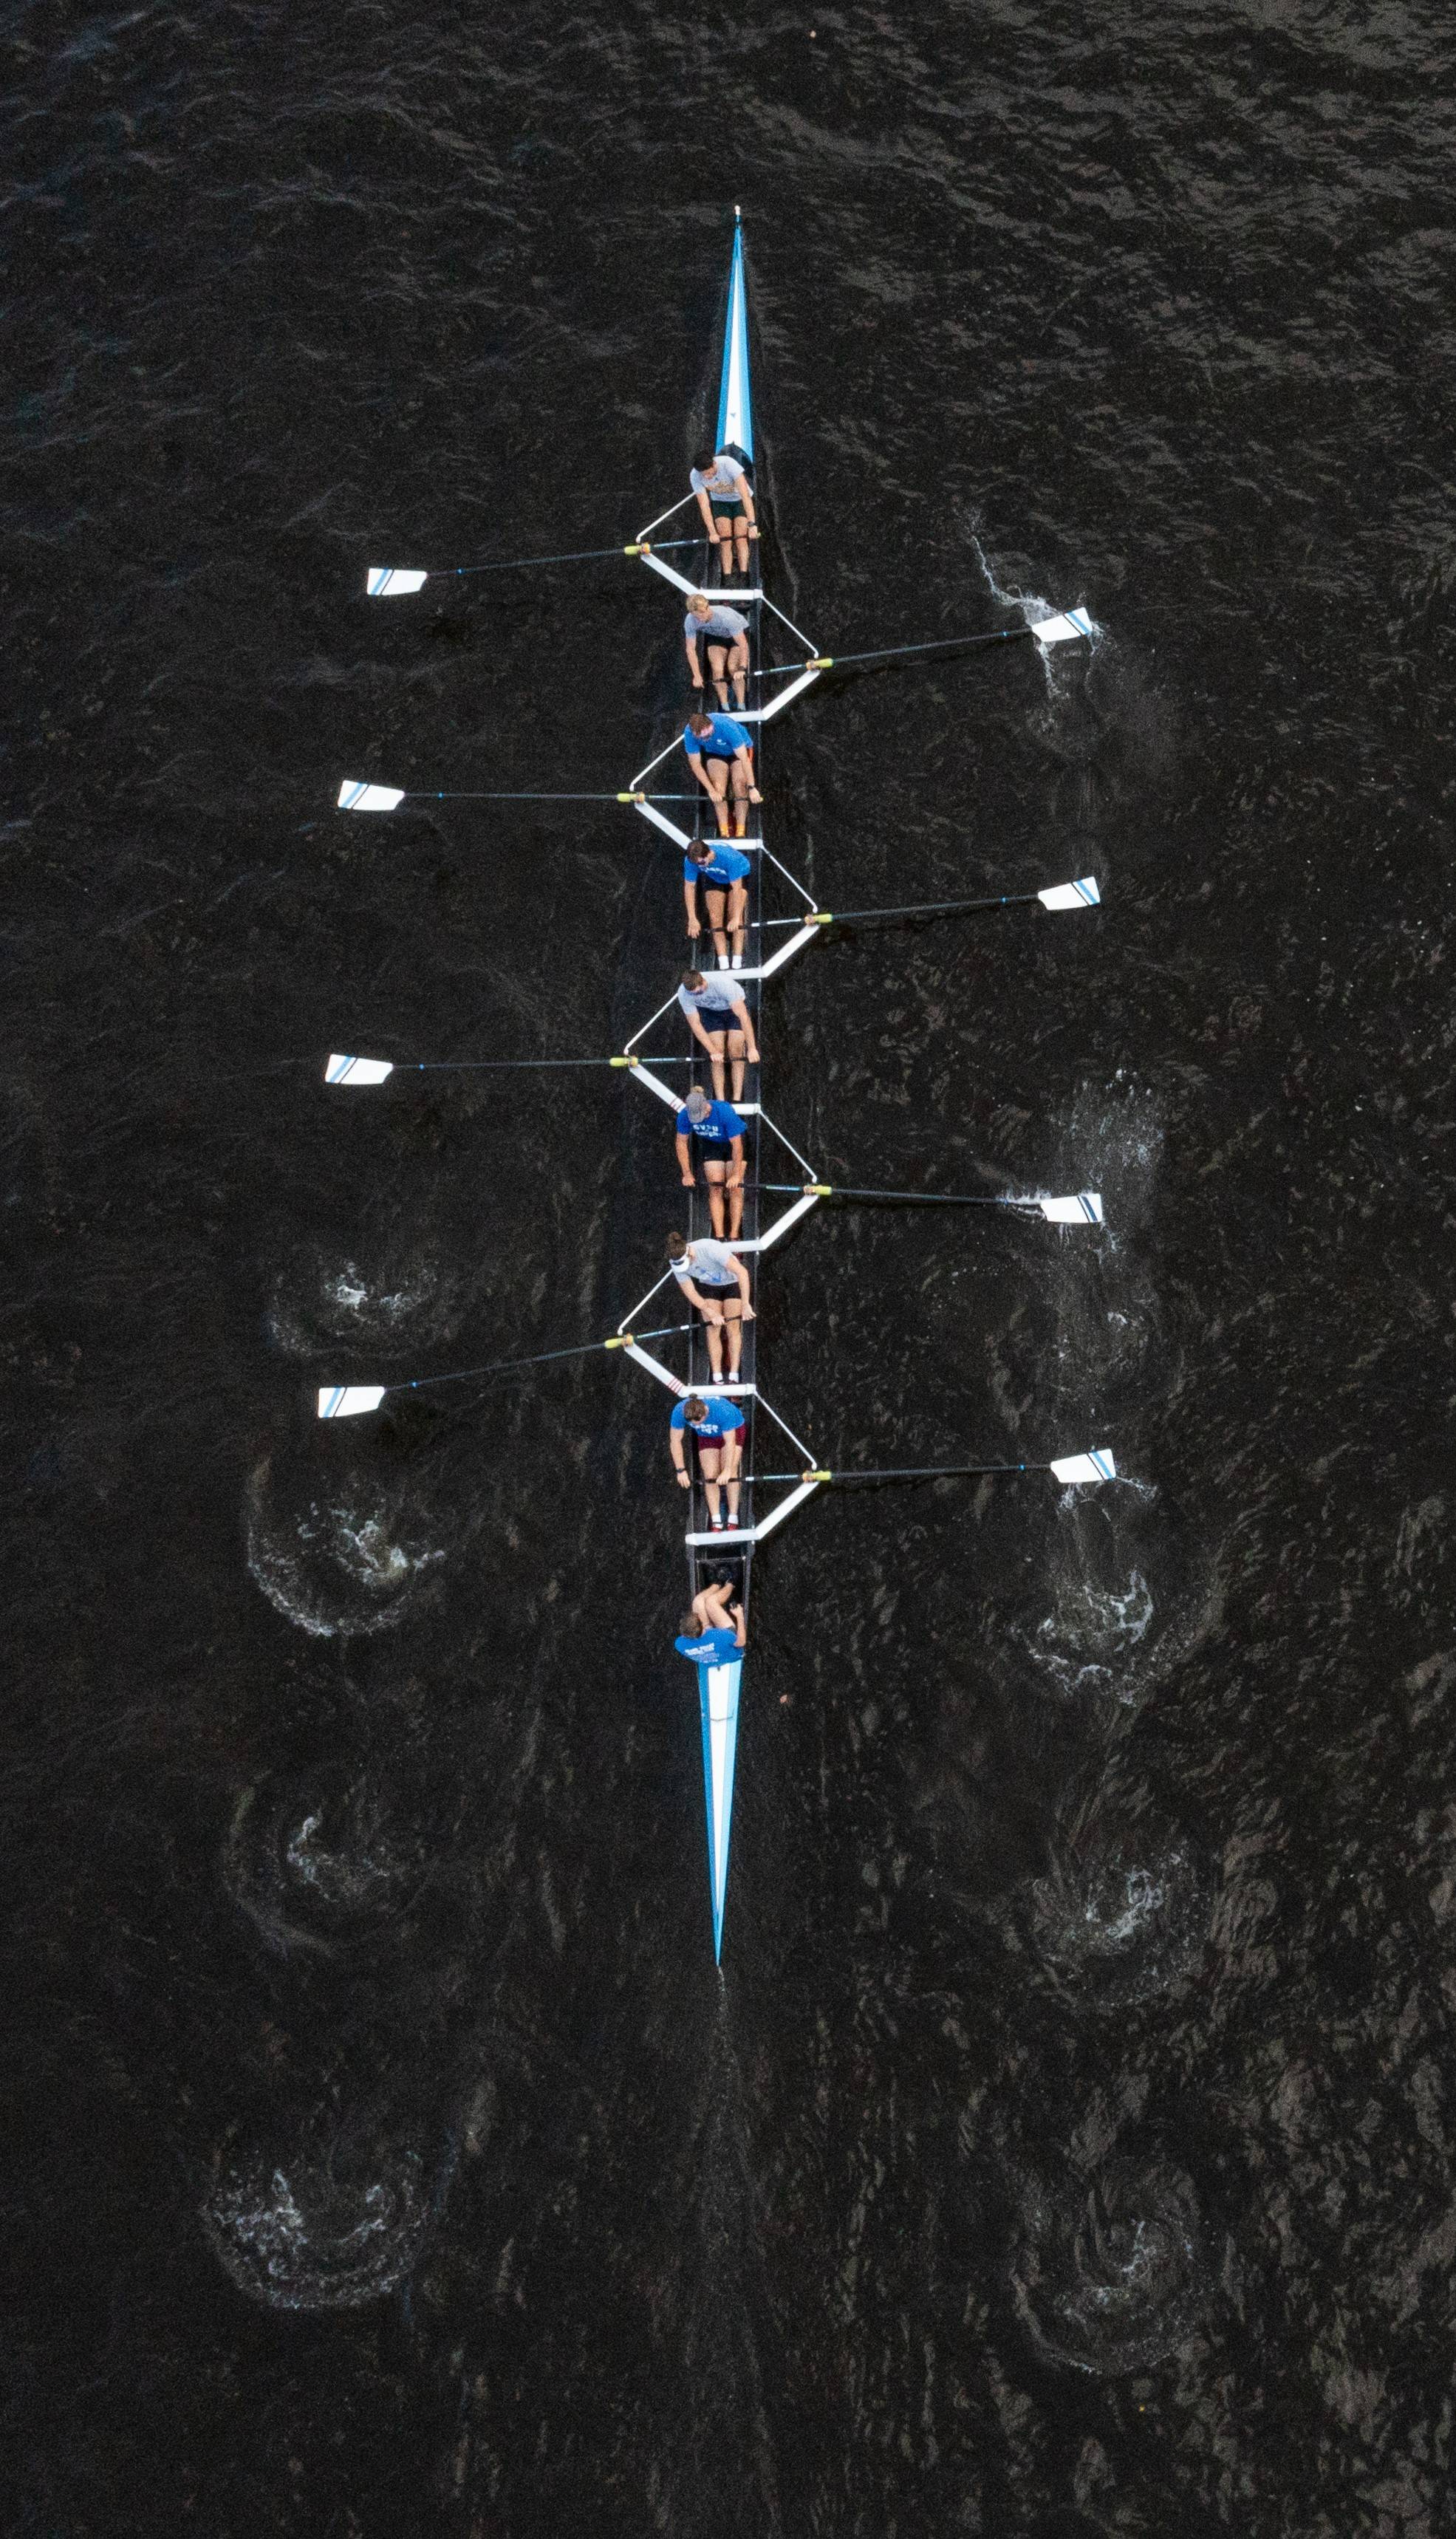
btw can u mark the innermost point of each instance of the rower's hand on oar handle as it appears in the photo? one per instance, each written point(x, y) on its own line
point(754, 794)
point(684, 1481)
point(749, 1315)
point(688, 1181)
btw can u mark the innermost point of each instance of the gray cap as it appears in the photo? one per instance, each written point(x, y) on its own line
point(698, 1104)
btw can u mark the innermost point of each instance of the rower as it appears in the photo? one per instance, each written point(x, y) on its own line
point(723, 874)
point(720, 753)
point(716, 1430)
point(710, 1265)
point(716, 1630)
point(723, 635)
point(717, 1017)
point(711, 1134)
point(725, 501)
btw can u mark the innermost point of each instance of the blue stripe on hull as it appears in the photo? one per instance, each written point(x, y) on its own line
point(718, 1695)
point(734, 399)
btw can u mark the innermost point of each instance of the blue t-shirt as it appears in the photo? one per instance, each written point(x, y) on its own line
point(720, 1122)
point(710, 1648)
point(726, 737)
point(719, 1419)
point(726, 865)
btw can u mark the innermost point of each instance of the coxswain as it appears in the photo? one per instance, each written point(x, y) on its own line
point(717, 1429)
point(711, 1135)
point(717, 1017)
point(715, 1630)
point(723, 635)
point(713, 1267)
point(720, 753)
point(723, 874)
point(725, 501)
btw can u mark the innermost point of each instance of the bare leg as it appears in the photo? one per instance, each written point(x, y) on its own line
point(712, 1174)
point(738, 914)
point(713, 1334)
point(717, 773)
point(740, 540)
point(739, 781)
point(737, 1049)
point(734, 1318)
point(724, 532)
point(716, 670)
point(715, 905)
point(707, 1464)
point(738, 665)
point(730, 1465)
point(717, 1046)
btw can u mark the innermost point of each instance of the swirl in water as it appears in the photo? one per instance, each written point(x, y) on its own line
point(317, 1303)
point(305, 2237)
point(344, 1568)
point(314, 1866)
point(1113, 2275)
point(1122, 1920)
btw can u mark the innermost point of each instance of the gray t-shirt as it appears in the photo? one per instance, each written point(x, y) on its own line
point(725, 480)
point(716, 996)
point(707, 1265)
point(724, 623)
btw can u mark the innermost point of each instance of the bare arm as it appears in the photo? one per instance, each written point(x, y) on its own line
point(698, 1032)
point(699, 772)
point(684, 1165)
point(690, 646)
point(706, 509)
point(735, 1173)
point(690, 903)
point(745, 495)
point(746, 756)
point(745, 1291)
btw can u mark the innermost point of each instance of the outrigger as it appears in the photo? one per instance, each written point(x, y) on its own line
point(732, 1548)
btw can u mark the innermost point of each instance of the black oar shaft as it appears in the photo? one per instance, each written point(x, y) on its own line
point(896, 651)
point(580, 555)
point(903, 1473)
point(542, 1357)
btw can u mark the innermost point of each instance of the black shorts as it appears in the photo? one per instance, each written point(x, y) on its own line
point(709, 1150)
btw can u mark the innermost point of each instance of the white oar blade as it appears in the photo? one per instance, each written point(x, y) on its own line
point(354, 796)
point(349, 1401)
point(1074, 628)
point(1096, 1467)
point(1085, 1210)
point(357, 1070)
point(392, 581)
point(1071, 894)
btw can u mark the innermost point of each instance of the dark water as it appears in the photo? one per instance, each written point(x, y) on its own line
point(1066, 2148)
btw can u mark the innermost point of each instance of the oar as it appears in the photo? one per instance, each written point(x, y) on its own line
point(356, 1072)
point(401, 582)
point(355, 796)
point(1062, 894)
point(352, 1401)
point(1098, 1465)
point(1086, 1208)
point(1069, 629)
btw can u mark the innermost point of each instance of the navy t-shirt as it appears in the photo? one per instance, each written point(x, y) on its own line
point(720, 1122)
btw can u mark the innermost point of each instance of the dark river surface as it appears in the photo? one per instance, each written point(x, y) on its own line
point(1065, 2147)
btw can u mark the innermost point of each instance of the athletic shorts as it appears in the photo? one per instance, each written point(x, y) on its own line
point(718, 1019)
point(727, 507)
point(711, 1150)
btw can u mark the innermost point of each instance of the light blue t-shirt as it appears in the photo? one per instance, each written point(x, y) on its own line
point(711, 1648)
point(726, 865)
point(724, 740)
point(720, 1122)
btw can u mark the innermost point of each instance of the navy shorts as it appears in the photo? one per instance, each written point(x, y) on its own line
point(709, 1150)
point(717, 1018)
